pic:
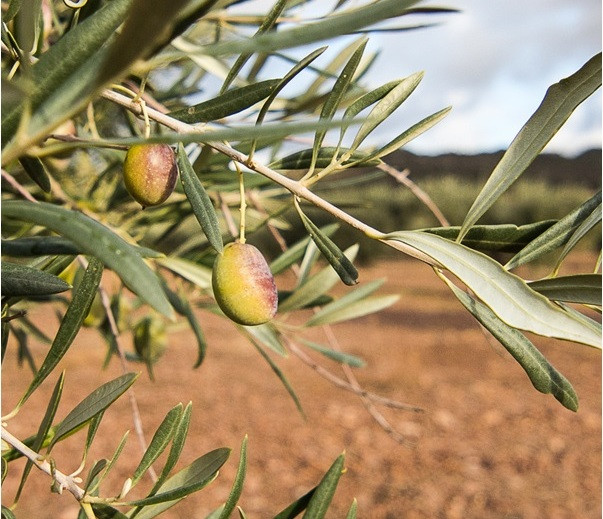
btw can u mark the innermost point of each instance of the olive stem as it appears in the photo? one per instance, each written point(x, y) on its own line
point(291, 185)
point(243, 206)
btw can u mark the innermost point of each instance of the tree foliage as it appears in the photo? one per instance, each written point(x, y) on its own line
point(84, 80)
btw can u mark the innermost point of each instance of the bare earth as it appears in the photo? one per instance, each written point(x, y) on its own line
point(487, 446)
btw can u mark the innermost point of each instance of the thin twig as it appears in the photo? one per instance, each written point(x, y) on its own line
point(114, 330)
point(19, 188)
point(339, 382)
point(291, 185)
point(402, 178)
point(64, 481)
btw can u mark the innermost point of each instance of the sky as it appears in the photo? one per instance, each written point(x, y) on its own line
point(493, 63)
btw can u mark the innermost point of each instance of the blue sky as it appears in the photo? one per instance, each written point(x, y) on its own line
point(492, 62)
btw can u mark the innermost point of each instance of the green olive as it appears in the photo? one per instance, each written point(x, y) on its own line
point(150, 173)
point(243, 285)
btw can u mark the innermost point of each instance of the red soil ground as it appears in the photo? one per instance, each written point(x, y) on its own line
point(487, 446)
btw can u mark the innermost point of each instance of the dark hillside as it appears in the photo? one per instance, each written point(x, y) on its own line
point(584, 170)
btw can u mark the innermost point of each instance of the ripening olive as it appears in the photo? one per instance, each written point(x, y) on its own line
point(150, 339)
point(150, 173)
point(243, 285)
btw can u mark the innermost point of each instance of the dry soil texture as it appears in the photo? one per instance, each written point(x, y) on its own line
point(487, 445)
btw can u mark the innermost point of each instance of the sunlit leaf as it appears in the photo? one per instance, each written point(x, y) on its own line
point(507, 295)
point(327, 28)
point(544, 377)
point(386, 106)
point(200, 202)
point(70, 325)
point(408, 135)
point(297, 507)
point(97, 240)
point(558, 104)
point(353, 510)
point(193, 272)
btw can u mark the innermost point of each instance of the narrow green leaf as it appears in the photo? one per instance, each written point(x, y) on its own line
point(544, 377)
point(337, 356)
point(365, 101)
point(162, 437)
point(43, 429)
point(315, 286)
point(295, 70)
point(7, 513)
point(193, 272)
point(267, 24)
point(339, 89)
point(386, 106)
point(183, 307)
point(112, 461)
point(338, 260)
point(92, 430)
point(507, 295)
point(35, 169)
point(194, 477)
point(350, 297)
point(94, 403)
point(12, 10)
point(589, 222)
point(53, 245)
point(231, 102)
point(353, 510)
point(268, 336)
point(176, 449)
point(303, 159)
point(103, 511)
point(321, 499)
point(237, 486)
point(296, 251)
point(500, 238)
point(148, 24)
point(327, 28)
point(75, 48)
point(579, 288)
point(200, 202)
point(95, 239)
point(38, 246)
point(557, 235)
point(558, 104)
point(279, 373)
point(354, 310)
point(95, 471)
point(70, 325)
point(297, 507)
point(21, 281)
point(412, 133)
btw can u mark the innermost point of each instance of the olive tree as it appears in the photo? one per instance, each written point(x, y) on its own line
point(112, 107)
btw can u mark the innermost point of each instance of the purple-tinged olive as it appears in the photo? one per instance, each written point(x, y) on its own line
point(150, 173)
point(243, 285)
